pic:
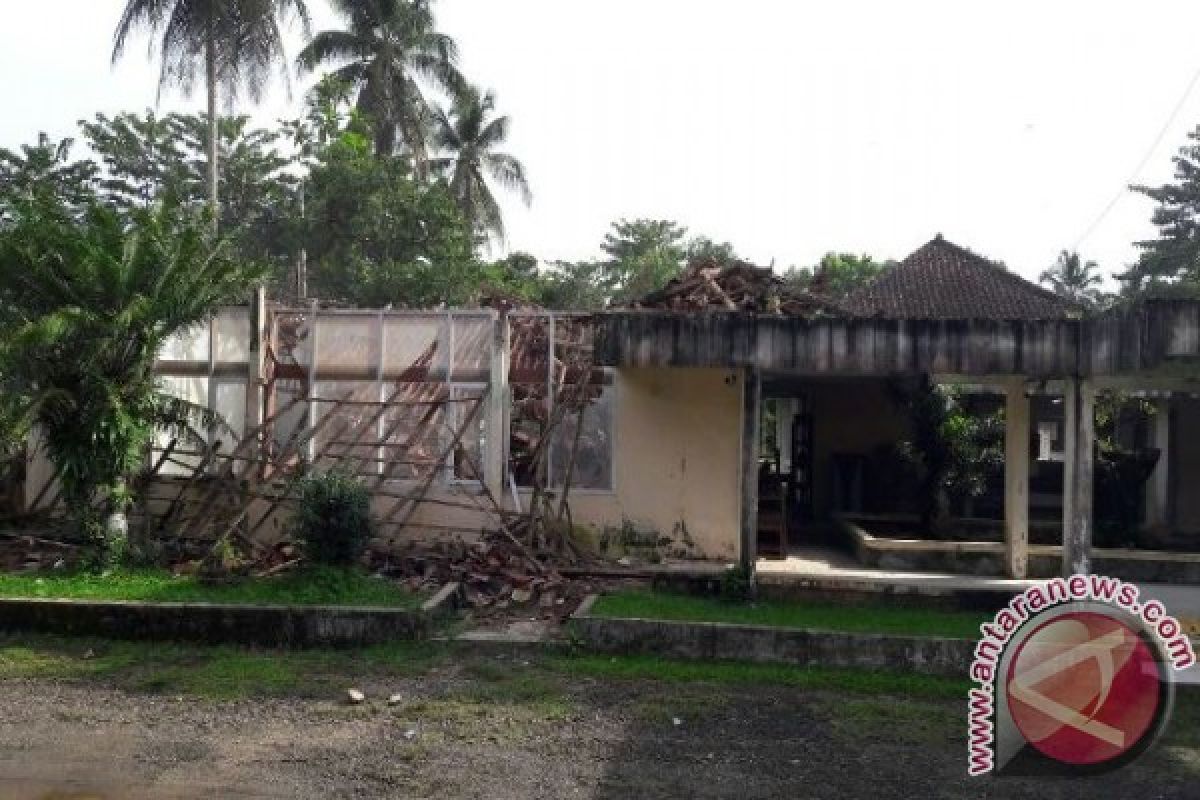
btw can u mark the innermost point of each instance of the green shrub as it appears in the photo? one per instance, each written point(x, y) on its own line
point(737, 583)
point(334, 520)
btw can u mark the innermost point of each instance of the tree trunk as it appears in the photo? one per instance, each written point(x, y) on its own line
point(210, 70)
point(116, 524)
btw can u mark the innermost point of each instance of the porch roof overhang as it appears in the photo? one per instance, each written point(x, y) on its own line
point(1153, 338)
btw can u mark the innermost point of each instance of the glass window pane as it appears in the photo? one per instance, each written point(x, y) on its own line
point(188, 345)
point(347, 342)
point(413, 429)
point(290, 419)
point(472, 349)
point(337, 436)
point(187, 453)
point(292, 344)
point(231, 407)
point(233, 335)
point(418, 344)
point(468, 454)
point(592, 464)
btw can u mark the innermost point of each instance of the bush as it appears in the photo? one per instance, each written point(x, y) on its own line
point(334, 519)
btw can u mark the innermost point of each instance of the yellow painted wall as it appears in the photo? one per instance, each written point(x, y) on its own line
point(677, 451)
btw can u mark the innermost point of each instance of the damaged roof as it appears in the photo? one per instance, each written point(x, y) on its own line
point(942, 280)
point(709, 286)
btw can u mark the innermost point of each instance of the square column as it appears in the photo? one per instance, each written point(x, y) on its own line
point(1158, 496)
point(496, 410)
point(751, 414)
point(1079, 405)
point(256, 380)
point(1016, 480)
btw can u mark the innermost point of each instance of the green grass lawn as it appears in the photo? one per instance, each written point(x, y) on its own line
point(872, 618)
point(307, 586)
point(227, 672)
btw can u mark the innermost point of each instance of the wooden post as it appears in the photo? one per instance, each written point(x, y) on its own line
point(1078, 454)
point(496, 421)
point(751, 409)
point(1158, 496)
point(1016, 480)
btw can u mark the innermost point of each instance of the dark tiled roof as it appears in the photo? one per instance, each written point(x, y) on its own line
point(941, 280)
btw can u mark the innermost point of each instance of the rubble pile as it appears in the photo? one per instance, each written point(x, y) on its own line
point(495, 573)
point(737, 287)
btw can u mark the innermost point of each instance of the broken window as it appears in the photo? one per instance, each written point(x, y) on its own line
point(553, 384)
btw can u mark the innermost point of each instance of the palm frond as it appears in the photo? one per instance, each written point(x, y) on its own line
point(507, 171)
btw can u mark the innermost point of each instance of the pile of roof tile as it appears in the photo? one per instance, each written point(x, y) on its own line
point(736, 287)
point(494, 572)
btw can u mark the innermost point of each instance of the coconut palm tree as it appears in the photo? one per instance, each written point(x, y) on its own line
point(238, 42)
point(1075, 279)
point(469, 137)
point(389, 47)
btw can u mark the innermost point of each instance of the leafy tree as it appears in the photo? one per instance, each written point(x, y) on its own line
point(1173, 257)
point(1075, 279)
point(519, 265)
point(953, 450)
point(643, 254)
point(378, 237)
point(471, 140)
point(387, 50)
point(836, 275)
point(516, 276)
point(147, 159)
point(704, 250)
point(86, 303)
point(238, 42)
point(45, 170)
point(143, 158)
point(575, 286)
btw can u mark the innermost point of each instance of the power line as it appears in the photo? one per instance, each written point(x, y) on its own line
point(1162, 133)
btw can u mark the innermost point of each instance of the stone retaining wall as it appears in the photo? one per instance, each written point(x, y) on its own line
point(220, 623)
point(801, 647)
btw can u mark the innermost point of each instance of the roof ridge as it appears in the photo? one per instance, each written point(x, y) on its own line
point(1015, 276)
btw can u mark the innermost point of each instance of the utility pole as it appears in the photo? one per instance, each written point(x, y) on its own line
point(302, 258)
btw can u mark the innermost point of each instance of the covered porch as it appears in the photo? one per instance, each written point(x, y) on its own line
point(796, 369)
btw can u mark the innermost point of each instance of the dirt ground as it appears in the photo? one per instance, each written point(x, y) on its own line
point(500, 727)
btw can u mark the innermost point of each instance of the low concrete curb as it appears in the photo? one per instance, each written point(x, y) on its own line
point(763, 644)
point(986, 558)
point(227, 623)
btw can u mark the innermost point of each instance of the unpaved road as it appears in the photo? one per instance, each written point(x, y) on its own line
point(452, 736)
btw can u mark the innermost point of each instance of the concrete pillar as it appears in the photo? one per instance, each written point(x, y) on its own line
point(1078, 454)
point(1158, 497)
point(256, 378)
point(751, 412)
point(1016, 480)
point(497, 410)
point(314, 330)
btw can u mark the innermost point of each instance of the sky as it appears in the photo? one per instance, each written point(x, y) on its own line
point(789, 128)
